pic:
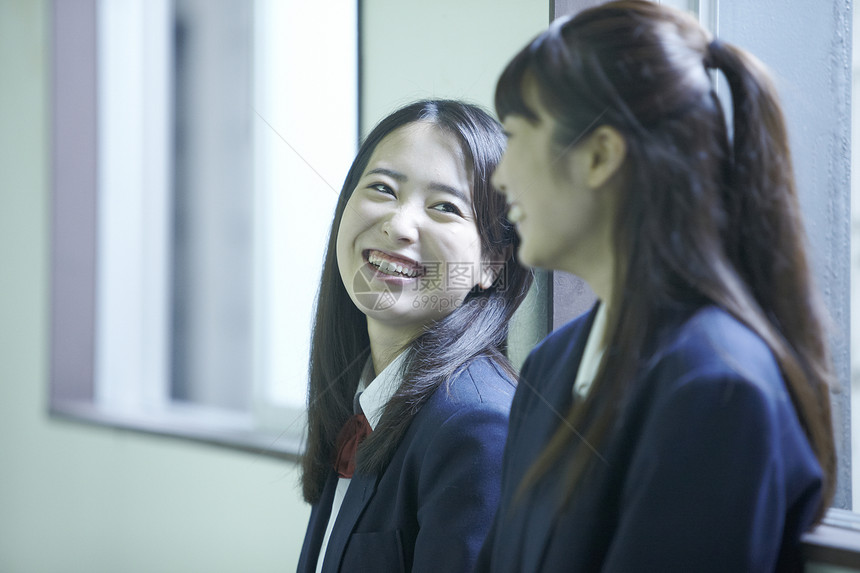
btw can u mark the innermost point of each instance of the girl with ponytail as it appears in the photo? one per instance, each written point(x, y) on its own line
point(683, 424)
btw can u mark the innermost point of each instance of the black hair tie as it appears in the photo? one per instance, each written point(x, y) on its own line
point(712, 54)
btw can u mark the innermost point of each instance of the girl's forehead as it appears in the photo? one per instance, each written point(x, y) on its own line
point(417, 133)
point(424, 146)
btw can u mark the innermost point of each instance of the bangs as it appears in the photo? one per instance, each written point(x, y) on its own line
point(527, 65)
point(509, 89)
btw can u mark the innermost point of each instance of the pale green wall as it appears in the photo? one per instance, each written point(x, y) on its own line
point(76, 498)
point(445, 48)
point(90, 499)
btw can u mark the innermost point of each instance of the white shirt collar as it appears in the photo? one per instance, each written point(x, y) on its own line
point(592, 355)
point(377, 392)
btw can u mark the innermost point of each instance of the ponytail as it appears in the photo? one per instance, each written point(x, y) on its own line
point(761, 201)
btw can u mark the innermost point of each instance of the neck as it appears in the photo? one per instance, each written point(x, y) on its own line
point(387, 342)
point(601, 282)
point(594, 261)
point(598, 271)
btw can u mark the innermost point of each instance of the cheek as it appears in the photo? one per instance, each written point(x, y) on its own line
point(462, 253)
point(518, 162)
point(346, 233)
point(342, 233)
point(546, 197)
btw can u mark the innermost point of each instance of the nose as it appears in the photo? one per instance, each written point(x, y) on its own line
point(403, 224)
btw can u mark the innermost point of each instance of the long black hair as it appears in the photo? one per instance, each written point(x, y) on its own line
point(700, 219)
point(477, 328)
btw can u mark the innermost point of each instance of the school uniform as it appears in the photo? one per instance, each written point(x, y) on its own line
point(705, 469)
point(431, 508)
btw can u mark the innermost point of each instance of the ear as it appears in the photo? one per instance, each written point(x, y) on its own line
point(607, 150)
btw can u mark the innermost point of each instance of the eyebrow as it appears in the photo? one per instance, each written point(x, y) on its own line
point(402, 178)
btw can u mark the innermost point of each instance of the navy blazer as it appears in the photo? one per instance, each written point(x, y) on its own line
point(431, 508)
point(706, 468)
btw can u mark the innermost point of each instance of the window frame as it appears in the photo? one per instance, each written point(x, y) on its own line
point(78, 170)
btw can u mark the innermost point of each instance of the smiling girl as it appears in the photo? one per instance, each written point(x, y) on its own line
point(419, 282)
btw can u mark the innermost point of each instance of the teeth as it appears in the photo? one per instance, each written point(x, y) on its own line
point(390, 267)
point(515, 214)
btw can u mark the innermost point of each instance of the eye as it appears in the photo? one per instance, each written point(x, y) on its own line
point(447, 207)
point(382, 188)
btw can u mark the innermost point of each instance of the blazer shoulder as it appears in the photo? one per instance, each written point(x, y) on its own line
point(714, 342)
point(562, 340)
point(480, 385)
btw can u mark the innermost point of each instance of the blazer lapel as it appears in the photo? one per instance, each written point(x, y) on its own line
point(536, 514)
point(361, 489)
point(317, 526)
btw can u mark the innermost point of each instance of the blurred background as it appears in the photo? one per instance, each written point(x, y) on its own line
point(168, 171)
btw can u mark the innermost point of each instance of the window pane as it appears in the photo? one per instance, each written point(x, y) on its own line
point(212, 264)
point(264, 135)
point(132, 327)
point(222, 149)
point(307, 132)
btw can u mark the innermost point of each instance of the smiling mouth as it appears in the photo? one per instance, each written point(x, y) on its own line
point(393, 266)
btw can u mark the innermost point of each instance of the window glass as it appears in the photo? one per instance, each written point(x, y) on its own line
point(222, 146)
